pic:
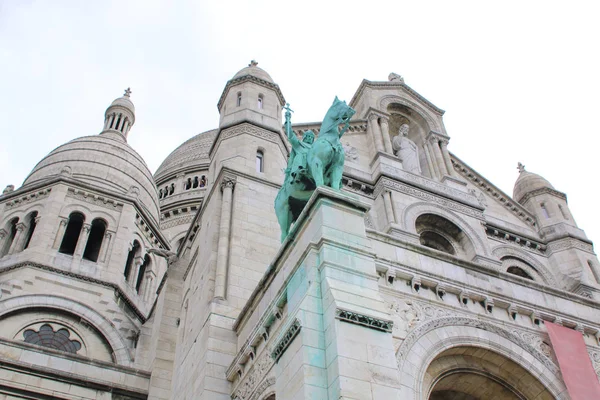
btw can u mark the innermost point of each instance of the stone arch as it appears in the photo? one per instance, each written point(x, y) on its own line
point(266, 390)
point(412, 212)
point(427, 341)
point(111, 222)
point(434, 125)
point(542, 271)
point(21, 213)
point(107, 330)
point(80, 208)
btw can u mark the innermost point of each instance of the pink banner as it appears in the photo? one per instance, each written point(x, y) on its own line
point(574, 362)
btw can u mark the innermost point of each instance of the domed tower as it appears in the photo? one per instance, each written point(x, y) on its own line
point(251, 96)
point(569, 249)
point(81, 241)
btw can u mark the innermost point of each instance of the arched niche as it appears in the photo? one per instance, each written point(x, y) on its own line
point(425, 354)
point(510, 256)
point(56, 304)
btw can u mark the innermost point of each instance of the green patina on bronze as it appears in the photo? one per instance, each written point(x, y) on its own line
point(312, 163)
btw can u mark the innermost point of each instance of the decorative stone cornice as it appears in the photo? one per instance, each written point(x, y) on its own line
point(393, 84)
point(371, 113)
point(253, 79)
point(436, 137)
point(28, 198)
point(501, 197)
point(523, 200)
point(357, 126)
point(285, 341)
point(569, 243)
point(364, 320)
point(511, 237)
point(249, 129)
point(94, 199)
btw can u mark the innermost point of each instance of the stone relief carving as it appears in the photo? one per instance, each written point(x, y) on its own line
point(270, 381)
point(568, 244)
point(595, 357)
point(254, 377)
point(405, 316)
point(350, 152)
point(8, 189)
point(95, 200)
point(287, 338)
point(430, 316)
point(365, 320)
point(29, 198)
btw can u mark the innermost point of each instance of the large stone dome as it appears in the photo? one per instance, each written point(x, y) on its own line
point(104, 161)
point(192, 152)
point(253, 70)
point(527, 182)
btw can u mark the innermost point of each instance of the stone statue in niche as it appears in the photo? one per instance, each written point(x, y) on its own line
point(406, 150)
point(350, 152)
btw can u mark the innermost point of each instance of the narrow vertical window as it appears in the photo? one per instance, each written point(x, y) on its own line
point(130, 258)
point(260, 161)
point(203, 181)
point(12, 232)
point(239, 99)
point(260, 102)
point(172, 189)
point(141, 273)
point(544, 210)
point(188, 184)
point(92, 247)
point(69, 242)
point(196, 182)
point(30, 229)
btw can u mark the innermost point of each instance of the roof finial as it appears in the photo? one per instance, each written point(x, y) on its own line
point(253, 63)
point(127, 92)
point(394, 77)
point(521, 167)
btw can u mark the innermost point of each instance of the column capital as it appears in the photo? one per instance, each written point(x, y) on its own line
point(444, 142)
point(20, 226)
point(228, 182)
point(63, 221)
point(3, 233)
point(86, 227)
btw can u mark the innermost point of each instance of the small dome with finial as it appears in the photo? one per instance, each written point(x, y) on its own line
point(253, 70)
point(527, 182)
point(120, 116)
point(125, 101)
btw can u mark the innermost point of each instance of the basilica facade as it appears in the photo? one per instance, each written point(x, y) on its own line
point(420, 279)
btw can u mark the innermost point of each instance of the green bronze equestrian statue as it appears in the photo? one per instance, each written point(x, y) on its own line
point(312, 163)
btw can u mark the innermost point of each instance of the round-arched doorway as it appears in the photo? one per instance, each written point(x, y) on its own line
point(474, 373)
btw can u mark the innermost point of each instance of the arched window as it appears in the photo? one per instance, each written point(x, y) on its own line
point(519, 272)
point(436, 241)
point(260, 161)
point(203, 181)
point(140, 278)
point(94, 243)
point(160, 194)
point(442, 234)
point(239, 99)
point(196, 182)
point(47, 337)
point(260, 102)
point(135, 249)
point(31, 227)
point(71, 236)
point(11, 230)
point(166, 191)
point(188, 184)
point(172, 189)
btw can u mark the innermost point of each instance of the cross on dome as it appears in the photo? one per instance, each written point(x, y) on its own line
point(127, 92)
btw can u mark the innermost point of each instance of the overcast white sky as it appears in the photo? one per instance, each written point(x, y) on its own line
point(519, 81)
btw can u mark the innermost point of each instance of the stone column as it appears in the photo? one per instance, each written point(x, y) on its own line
point(179, 183)
point(387, 203)
point(375, 132)
point(223, 246)
point(385, 132)
point(437, 153)
point(60, 233)
point(432, 170)
point(14, 247)
point(447, 160)
point(104, 246)
point(82, 241)
point(3, 235)
point(133, 274)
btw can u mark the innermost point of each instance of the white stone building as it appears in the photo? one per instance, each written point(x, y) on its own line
point(428, 284)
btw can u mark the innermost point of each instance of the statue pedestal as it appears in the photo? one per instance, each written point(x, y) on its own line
point(336, 340)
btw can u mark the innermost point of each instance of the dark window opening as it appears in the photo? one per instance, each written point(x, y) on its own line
point(46, 337)
point(519, 272)
point(94, 243)
point(32, 224)
point(141, 273)
point(436, 241)
point(130, 258)
point(260, 161)
point(69, 242)
point(196, 182)
point(12, 232)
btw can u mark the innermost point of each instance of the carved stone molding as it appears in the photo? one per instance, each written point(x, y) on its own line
point(480, 182)
point(509, 237)
point(536, 192)
point(355, 127)
point(528, 342)
point(364, 320)
point(423, 194)
point(252, 379)
point(564, 244)
point(227, 182)
point(270, 381)
point(595, 357)
point(285, 341)
point(251, 130)
point(28, 198)
point(186, 219)
point(94, 199)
